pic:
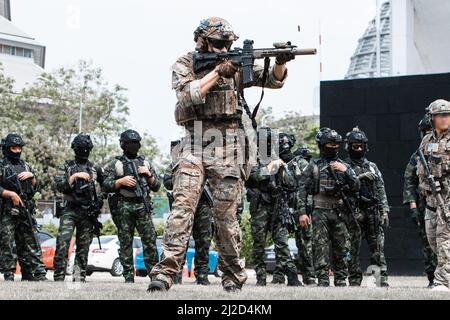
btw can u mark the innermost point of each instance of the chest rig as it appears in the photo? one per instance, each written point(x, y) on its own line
point(10, 172)
point(79, 194)
point(123, 168)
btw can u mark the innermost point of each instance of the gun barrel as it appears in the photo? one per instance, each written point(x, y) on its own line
point(273, 52)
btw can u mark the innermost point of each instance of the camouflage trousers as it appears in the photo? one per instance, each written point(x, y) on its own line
point(438, 233)
point(202, 234)
point(303, 240)
point(190, 174)
point(262, 222)
point(131, 217)
point(72, 218)
point(329, 240)
point(430, 258)
point(370, 229)
point(29, 254)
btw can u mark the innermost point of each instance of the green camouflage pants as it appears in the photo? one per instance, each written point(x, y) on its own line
point(430, 259)
point(202, 233)
point(17, 229)
point(73, 218)
point(355, 275)
point(303, 240)
point(132, 216)
point(329, 240)
point(261, 223)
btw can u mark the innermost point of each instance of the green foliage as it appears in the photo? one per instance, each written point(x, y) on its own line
point(46, 114)
point(247, 240)
point(50, 228)
point(109, 228)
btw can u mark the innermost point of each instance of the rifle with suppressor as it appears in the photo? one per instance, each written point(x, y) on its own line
point(245, 57)
point(434, 186)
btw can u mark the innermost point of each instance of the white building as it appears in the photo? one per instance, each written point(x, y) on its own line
point(413, 37)
point(21, 56)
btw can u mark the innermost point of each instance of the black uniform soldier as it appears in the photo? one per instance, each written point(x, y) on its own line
point(371, 209)
point(132, 178)
point(76, 180)
point(325, 178)
point(417, 203)
point(17, 188)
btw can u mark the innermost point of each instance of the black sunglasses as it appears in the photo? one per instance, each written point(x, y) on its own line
point(220, 44)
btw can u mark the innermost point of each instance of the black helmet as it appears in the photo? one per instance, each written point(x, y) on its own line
point(130, 136)
point(355, 136)
point(425, 124)
point(290, 137)
point(327, 135)
point(82, 141)
point(13, 139)
point(304, 152)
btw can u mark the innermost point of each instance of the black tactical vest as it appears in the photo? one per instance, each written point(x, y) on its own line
point(11, 169)
point(79, 194)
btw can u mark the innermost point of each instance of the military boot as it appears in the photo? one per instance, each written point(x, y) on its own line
point(430, 280)
point(261, 282)
point(27, 277)
point(231, 287)
point(276, 280)
point(9, 276)
point(203, 281)
point(157, 285)
point(293, 280)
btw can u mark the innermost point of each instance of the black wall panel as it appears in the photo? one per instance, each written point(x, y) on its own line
point(388, 110)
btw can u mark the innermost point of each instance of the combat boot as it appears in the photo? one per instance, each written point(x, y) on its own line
point(232, 287)
point(277, 281)
point(309, 282)
point(9, 276)
point(340, 283)
point(203, 281)
point(129, 280)
point(157, 285)
point(27, 277)
point(293, 280)
point(261, 282)
point(430, 280)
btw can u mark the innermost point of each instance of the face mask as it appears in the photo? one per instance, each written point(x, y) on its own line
point(357, 154)
point(13, 155)
point(285, 153)
point(131, 149)
point(82, 154)
point(329, 153)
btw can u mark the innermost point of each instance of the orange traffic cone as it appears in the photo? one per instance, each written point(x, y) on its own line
point(18, 268)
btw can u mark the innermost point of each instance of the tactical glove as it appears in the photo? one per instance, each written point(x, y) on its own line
point(367, 175)
point(227, 69)
point(282, 58)
point(413, 214)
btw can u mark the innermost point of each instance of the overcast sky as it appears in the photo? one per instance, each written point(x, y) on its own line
point(137, 41)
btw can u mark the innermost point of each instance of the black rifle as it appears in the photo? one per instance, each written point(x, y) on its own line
point(208, 196)
point(282, 202)
point(94, 207)
point(26, 209)
point(246, 57)
point(434, 186)
point(141, 189)
point(342, 188)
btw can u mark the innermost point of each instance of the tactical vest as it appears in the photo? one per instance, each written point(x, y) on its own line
point(78, 195)
point(437, 153)
point(367, 188)
point(324, 184)
point(10, 169)
point(221, 102)
point(123, 170)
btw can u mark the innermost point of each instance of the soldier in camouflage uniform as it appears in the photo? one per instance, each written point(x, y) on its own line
point(76, 180)
point(303, 237)
point(329, 211)
point(14, 224)
point(264, 219)
point(371, 210)
point(436, 149)
point(201, 231)
point(417, 202)
point(210, 100)
point(132, 214)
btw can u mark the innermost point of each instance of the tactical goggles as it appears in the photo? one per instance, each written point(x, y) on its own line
point(332, 145)
point(220, 44)
point(357, 146)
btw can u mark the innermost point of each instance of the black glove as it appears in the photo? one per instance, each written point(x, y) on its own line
point(282, 58)
point(413, 214)
point(367, 175)
point(227, 69)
